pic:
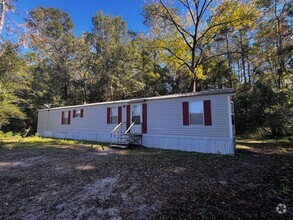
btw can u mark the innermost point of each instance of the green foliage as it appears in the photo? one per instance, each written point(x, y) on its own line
point(260, 107)
point(12, 80)
point(242, 44)
point(279, 115)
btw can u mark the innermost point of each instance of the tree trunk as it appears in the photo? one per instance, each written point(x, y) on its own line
point(229, 58)
point(194, 82)
point(279, 45)
point(242, 58)
point(2, 15)
point(248, 73)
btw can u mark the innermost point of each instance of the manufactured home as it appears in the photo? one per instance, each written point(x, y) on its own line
point(200, 122)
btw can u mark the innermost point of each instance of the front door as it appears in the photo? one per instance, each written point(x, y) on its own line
point(136, 118)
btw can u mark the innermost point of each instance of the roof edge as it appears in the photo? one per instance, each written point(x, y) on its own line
point(180, 95)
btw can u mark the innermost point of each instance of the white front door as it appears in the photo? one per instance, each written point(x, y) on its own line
point(136, 117)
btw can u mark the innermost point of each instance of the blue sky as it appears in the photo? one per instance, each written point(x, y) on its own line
point(81, 11)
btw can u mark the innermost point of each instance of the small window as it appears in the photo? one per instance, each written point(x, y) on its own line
point(78, 113)
point(136, 110)
point(114, 116)
point(66, 118)
point(196, 113)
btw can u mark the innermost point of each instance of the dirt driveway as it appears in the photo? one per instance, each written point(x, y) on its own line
point(81, 182)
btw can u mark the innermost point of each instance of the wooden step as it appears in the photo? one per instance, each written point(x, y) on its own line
point(118, 146)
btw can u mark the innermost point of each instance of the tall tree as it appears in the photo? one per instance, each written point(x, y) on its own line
point(7, 6)
point(115, 57)
point(274, 39)
point(12, 80)
point(50, 35)
point(190, 20)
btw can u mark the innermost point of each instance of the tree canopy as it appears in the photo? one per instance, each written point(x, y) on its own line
point(189, 46)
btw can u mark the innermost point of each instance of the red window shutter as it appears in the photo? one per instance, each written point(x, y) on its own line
point(185, 106)
point(81, 113)
point(108, 115)
point(128, 116)
point(74, 112)
point(207, 112)
point(119, 114)
point(69, 113)
point(62, 118)
point(144, 118)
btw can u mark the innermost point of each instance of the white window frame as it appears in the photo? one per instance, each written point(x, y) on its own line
point(197, 110)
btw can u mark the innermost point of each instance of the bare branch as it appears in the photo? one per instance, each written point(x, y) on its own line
point(177, 57)
point(187, 5)
point(216, 25)
point(220, 54)
point(204, 8)
point(178, 27)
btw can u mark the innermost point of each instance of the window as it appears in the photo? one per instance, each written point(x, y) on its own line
point(232, 113)
point(66, 118)
point(77, 113)
point(196, 113)
point(136, 110)
point(114, 116)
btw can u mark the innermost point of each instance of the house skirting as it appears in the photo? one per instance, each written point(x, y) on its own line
point(184, 143)
point(86, 136)
point(188, 143)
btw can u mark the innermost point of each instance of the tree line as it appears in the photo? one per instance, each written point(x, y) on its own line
point(190, 45)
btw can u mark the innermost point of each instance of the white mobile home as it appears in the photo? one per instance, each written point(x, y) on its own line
point(201, 122)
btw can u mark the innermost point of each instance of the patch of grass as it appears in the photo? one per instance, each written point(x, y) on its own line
point(36, 141)
point(8, 134)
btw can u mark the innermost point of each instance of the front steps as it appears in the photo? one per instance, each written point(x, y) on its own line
point(119, 146)
point(122, 137)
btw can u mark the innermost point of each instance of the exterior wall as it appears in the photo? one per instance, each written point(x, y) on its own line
point(165, 118)
point(94, 120)
point(166, 130)
point(42, 122)
point(165, 127)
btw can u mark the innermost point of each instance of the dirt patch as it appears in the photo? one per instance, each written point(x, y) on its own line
point(87, 183)
point(100, 190)
point(27, 162)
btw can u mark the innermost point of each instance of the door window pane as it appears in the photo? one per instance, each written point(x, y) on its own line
point(136, 110)
point(136, 119)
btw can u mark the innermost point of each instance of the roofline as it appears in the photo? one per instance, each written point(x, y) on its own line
point(136, 100)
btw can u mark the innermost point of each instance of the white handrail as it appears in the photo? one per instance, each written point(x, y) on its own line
point(116, 127)
point(129, 128)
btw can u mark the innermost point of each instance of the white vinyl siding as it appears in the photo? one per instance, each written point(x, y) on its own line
point(164, 117)
point(170, 112)
point(165, 124)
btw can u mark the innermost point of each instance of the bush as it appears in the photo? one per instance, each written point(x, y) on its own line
point(261, 109)
point(279, 116)
point(8, 134)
